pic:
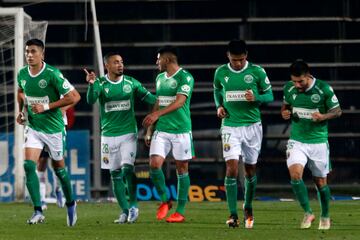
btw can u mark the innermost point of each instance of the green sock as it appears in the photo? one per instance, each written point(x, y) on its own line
point(231, 194)
point(131, 181)
point(183, 191)
point(64, 178)
point(250, 186)
point(158, 179)
point(32, 182)
point(324, 198)
point(301, 194)
point(119, 189)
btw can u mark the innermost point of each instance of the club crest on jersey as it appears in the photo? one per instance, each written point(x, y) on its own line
point(42, 83)
point(227, 147)
point(226, 79)
point(127, 88)
point(315, 98)
point(173, 84)
point(248, 78)
point(106, 90)
point(105, 160)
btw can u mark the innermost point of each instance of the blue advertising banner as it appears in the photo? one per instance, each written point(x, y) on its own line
point(77, 158)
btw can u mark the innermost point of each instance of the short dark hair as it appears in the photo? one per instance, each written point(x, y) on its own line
point(110, 54)
point(299, 67)
point(36, 42)
point(237, 46)
point(168, 49)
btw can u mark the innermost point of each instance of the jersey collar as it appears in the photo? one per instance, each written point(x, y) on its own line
point(243, 69)
point(311, 86)
point(173, 74)
point(42, 69)
point(117, 82)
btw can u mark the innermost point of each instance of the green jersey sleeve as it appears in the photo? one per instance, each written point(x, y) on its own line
point(61, 83)
point(93, 92)
point(331, 101)
point(186, 85)
point(143, 94)
point(265, 92)
point(218, 96)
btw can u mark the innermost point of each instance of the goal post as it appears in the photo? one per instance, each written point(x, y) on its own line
point(16, 27)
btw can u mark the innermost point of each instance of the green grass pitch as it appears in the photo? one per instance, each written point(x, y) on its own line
point(205, 220)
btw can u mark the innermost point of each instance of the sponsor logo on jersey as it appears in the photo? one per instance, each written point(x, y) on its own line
point(106, 90)
point(66, 84)
point(37, 100)
point(173, 84)
point(248, 78)
point(185, 88)
point(226, 79)
point(188, 78)
point(304, 112)
point(235, 96)
point(127, 88)
point(267, 81)
point(226, 147)
point(42, 83)
point(315, 98)
point(294, 96)
point(166, 100)
point(334, 99)
point(114, 106)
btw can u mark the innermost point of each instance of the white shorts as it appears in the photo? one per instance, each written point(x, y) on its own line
point(54, 143)
point(117, 151)
point(315, 154)
point(242, 141)
point(181, 145)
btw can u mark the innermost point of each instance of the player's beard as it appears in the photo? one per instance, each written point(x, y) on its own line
point(119, 73)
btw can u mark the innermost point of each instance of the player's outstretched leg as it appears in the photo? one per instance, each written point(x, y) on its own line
point(119, 192)
point(231, 199)
point(250, 186)
point(32, 184)
point(64, 179)
point(302, 196)
point(324, 198)
point(158, 179)
point(183, 190)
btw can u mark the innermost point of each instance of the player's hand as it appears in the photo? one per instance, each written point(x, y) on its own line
point(37, 108)
point(150, 119)
point(221, 112)
point(317, 117)
point(286, 114)
point(21, 118)
point(249, 95)
point(90, 77)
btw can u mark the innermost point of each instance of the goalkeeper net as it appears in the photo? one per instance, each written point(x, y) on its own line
point(16, 27)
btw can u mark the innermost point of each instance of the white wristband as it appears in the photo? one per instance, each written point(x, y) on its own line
point(46, 107)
